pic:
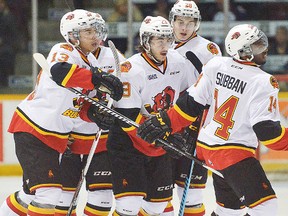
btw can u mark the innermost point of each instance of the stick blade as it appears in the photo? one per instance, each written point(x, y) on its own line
point(42, 62)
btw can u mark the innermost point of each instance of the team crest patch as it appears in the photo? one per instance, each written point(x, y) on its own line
point(67, 47)
point(212, 48)
point(126, 66)
point(274, 82)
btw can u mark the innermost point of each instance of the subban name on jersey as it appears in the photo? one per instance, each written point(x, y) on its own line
point(230, 82)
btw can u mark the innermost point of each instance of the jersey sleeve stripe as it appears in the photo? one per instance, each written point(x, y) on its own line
point(183, 114)
point(69, 74)
point(272, 141)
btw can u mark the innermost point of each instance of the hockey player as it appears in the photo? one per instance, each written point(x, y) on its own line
point(243, 109)
point(98, 178)
point(152, 80)
point(185, 19)
point(44, 121)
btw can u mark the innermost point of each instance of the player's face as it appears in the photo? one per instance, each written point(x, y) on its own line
point(89, 39)
point(159, 47)
point(261, 58)
point(260, 50)
point(183, 28)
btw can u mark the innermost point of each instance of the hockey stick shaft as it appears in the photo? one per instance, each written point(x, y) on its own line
point(96, 141)
point(189, 176)
point(132, 123)
point(198, 65)
point(83, 174)
point(92, 149)
point(123, 118)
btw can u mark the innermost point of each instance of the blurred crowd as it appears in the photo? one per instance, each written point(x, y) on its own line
point(15, 16)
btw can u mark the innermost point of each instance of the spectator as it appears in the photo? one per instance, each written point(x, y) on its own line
point(161, 8)
point(120, 14)
point(78, 4)
point(8, 43)
point(20, 9)
point(236, 12)
point(280, 45)
point(268, 11)
point(121, 11)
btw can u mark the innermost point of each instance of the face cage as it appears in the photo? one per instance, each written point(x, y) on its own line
point(256, 47)
point(196, 20)
point(101, 30)
point(146, 36)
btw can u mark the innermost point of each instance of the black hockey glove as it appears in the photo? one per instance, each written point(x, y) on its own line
point(175, 140)
point(101, 118)
point(108, 83)
point(190, 136)
point(155, 127)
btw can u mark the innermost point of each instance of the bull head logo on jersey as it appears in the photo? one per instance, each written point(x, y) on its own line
point(77, 102)
point(162, 101)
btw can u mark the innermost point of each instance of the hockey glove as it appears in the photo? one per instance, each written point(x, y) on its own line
point(155, 127)
point(112, 85)
point(190, 136)
point(178, 142)
point(97, 115)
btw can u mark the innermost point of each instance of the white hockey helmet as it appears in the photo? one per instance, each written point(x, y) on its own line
point(245, 40)
point(154, 26)
point(185, 9)
point(79, 19)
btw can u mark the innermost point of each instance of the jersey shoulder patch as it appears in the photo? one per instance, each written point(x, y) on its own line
point(274, 82)
point(67, 47)
point(126, 66)
point(212, 48)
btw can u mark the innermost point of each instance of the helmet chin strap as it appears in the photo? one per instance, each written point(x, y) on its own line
point(77, 44)
point(151, 56)
point(157, 62)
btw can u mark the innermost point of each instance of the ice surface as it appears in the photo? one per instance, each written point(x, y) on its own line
point(9, 185)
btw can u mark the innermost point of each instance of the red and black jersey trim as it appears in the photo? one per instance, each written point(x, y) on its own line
point(152, 63)
point(180, 44)
point(96, 53)
point(189, 106)
point(267, 130)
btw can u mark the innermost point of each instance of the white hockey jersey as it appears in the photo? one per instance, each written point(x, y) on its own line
point(201, 47)
point(152, 87)
point(51, 112)
point(239, 96)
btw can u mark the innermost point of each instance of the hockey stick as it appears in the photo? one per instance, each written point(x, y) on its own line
point(40, 57)
point(96, 141)
point(43, 62)
point(189, 177)
point(198, 65)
